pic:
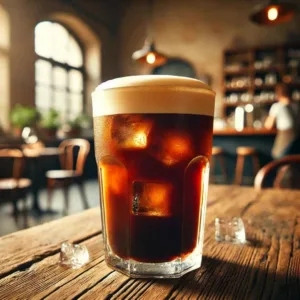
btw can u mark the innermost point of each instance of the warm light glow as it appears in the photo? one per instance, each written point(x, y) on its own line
point(140, 139)
point(150, 58)
point(272, 13)
point(249, 108)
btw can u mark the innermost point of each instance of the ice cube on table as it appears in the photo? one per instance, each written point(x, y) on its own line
point(131, 131)
point(172, 147)
point(73, 255)
point(230, 230)
point(152, 198)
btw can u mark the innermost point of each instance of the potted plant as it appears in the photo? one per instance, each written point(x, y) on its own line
point(22, 116)
point(50, 122)
point(73, 127)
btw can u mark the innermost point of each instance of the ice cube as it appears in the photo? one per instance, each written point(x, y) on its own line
point(114, 175)
point(230, 230)
point(152, 198)
point(131, 131)
point(73, 255)
point(172, 147)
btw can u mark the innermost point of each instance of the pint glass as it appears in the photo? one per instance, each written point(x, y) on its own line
point(153, 140)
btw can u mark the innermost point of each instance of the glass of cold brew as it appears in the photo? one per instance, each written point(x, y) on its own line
point(153, 140)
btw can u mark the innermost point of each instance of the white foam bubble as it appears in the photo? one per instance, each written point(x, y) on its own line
point(153, 94)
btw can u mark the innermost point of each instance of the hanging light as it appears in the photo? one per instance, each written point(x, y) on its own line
point(274, 12)
point(148, 54)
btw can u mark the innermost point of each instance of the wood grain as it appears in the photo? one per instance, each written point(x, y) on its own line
point(48, 275)
point(267, 267)
point(20, 249)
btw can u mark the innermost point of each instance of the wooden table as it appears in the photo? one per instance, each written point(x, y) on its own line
point(268, 267)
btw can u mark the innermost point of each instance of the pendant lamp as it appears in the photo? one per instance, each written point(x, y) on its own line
point(273, 12)
point(148, 54)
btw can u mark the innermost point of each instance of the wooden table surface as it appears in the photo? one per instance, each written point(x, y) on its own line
point(267, 267)
point(41, 152)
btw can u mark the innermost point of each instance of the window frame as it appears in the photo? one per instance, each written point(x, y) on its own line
point(66, 67)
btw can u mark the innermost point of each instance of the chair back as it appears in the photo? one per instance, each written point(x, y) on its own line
point(276, 164)
point(67, 154)
point(18, 161)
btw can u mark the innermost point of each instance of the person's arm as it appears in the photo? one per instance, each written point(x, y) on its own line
point(270, 122)
point(271, 119)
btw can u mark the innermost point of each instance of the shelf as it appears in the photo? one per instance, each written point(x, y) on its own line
point(243, 71)
point(270, 69)
point(236, 89)
point(232, 104)
point(248, 70)
point(269, 102)
point(272, 86)
point(237, 104)
point(265, 87)
point(236, 57)
point(294, 84)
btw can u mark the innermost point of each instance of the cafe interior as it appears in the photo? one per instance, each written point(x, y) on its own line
point(53, 54)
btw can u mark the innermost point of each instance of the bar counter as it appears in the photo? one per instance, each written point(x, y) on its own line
point(246, 131)
point(229, 139)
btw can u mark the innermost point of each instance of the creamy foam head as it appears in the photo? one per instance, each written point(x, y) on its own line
point(153, 94)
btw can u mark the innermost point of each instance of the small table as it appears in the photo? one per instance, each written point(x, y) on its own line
point(33, 156)
point(267, 267)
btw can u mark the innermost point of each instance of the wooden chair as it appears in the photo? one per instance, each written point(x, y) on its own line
point(72, 170)
point(242, 153)
point(281, 165)
point(218, 154)
point(15, 187)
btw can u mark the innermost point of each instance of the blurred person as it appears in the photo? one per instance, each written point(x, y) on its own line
point(285, 114)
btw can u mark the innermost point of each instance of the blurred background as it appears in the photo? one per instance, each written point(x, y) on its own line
point(54, 53)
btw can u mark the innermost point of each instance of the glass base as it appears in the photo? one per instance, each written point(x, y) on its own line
point(173, 269)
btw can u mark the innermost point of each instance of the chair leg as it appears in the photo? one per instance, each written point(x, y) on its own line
point(15, 210)
point(212, 169)
point(239, 169)
point(25, 212)
point(279, 177)
point(66, 196)
point(223, 168)
point(15, 213)
point(83, 195)
point(49, 193)
point(255, 164)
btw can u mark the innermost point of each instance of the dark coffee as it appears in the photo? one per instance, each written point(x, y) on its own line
point(153, 172)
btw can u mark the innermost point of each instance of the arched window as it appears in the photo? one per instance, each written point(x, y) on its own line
point(4, 68)
point(59, 70)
